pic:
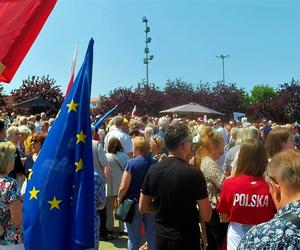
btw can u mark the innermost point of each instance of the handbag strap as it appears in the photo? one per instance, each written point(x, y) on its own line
point(118, 163)
point(291, 217)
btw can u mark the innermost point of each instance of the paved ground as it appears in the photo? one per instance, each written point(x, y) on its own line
point(119, 243)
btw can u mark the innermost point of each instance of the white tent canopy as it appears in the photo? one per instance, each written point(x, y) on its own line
point(191, 108)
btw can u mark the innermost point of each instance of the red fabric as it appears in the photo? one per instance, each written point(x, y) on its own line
point(142, 230)
point(246, 200)
point(20, 24)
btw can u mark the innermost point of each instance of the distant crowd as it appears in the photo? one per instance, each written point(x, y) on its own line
point(193, 183)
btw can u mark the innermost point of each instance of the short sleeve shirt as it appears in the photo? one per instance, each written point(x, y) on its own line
point(244, 196)
point(138, 168)
point(9, 193)
point(123, 138)
point(176, 187)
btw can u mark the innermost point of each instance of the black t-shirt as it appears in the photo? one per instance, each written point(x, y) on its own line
point(175, 186)
point(18, 167)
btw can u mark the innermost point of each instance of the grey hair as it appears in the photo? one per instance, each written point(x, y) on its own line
point(24, 130)
point(163, 123)
point(246, 133)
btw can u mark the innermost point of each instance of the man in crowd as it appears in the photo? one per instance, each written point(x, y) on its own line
point(116, 131)
point(173, 189)
point(283, 231)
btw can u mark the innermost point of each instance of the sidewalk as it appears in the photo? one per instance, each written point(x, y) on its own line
point(119, 243)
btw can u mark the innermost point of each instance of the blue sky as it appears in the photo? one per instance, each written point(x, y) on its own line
point(262, 37)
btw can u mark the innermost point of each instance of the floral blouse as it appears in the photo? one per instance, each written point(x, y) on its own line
point(214, 179)
point(9, 193)
point(277, 233)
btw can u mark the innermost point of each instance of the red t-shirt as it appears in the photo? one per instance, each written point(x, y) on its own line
point(246, 200)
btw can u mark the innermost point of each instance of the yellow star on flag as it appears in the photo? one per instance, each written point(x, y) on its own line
point(80, 137)
point(54, 203)
point(33, 193)
point(79, 165)
point(29, 175)
point(72, 106)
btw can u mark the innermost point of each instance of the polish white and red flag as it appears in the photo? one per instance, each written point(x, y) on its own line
point(134, 112)
point(73, 65)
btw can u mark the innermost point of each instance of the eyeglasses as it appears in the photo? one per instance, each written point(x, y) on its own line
point(34, 140)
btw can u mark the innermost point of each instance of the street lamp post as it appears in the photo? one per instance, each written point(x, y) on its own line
point(148, 40)
point(223, 59)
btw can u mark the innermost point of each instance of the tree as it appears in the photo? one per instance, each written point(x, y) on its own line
point(283, 107)
point(227, 98)
point(122, 96)
point(262, 92)
point(2, 102)
point(149, 99)
point(288, 98)
point(44, 87)
point(178, 93)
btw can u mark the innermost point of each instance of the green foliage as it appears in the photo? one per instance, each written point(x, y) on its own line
point(262, 92)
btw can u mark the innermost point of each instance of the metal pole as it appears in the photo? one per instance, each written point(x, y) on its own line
point(147, 70)
point(223, 59)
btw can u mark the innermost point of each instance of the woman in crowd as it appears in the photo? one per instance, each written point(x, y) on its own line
point(148, 132)
point(13, 135)
point(37, 141)
point(279, 139)
point(157, 144)
point(114, 171)
point(245, 198)
point(231, 157)
point(11, 235)
point(209, 151)
point(132, 180)
point(22, 146)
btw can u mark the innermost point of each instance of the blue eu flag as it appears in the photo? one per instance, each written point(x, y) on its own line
point(58, 208)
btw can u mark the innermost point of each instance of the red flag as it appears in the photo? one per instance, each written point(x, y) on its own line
point(72, 69)
point(20, 24)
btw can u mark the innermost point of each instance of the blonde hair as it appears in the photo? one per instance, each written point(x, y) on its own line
point(11, 130)
point(208, 139)
point(142, 144)
point(246, 133)
point(7, 153)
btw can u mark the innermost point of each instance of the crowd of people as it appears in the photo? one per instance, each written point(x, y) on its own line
point(197, 184)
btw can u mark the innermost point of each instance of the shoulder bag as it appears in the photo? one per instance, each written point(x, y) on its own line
point(125, 210)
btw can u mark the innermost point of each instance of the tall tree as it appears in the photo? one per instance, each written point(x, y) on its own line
point(262, 92)
point(40, 86)
point(178, 92)
point(2, 102)
point(227, 98)
point(288, 97)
